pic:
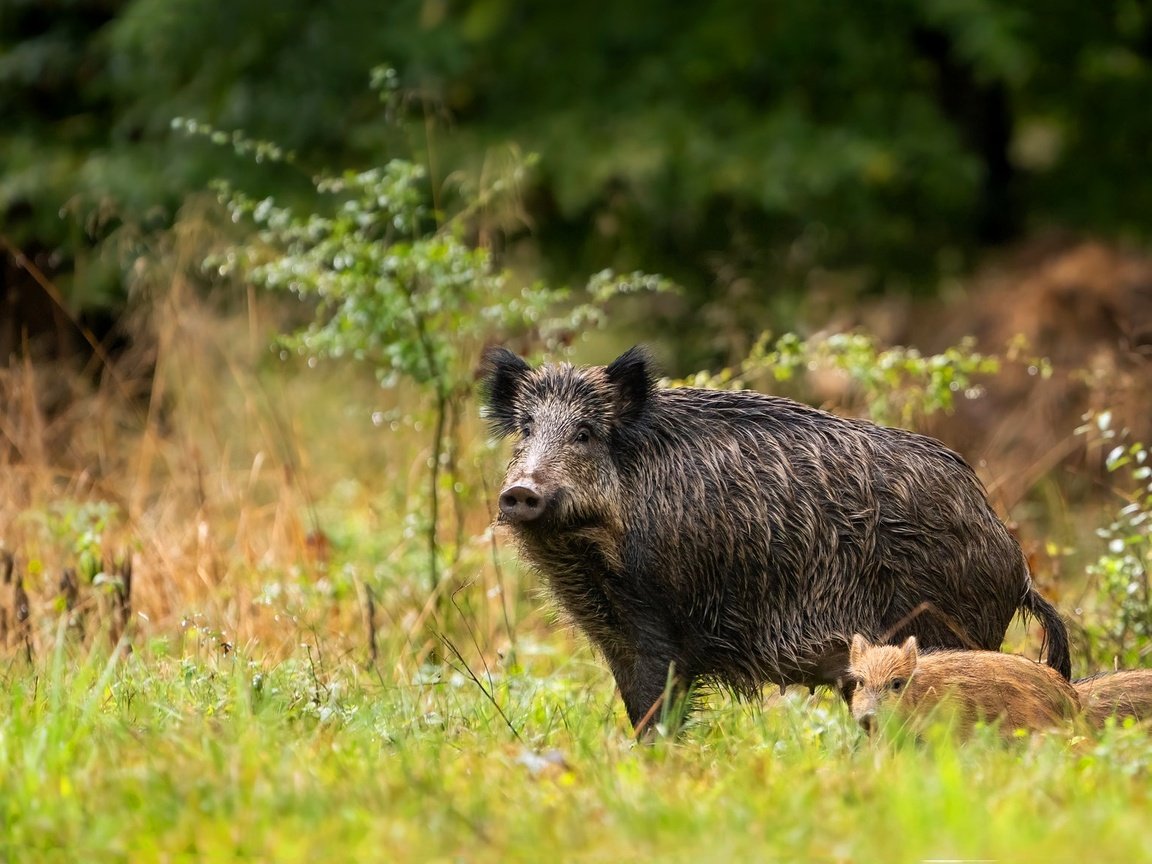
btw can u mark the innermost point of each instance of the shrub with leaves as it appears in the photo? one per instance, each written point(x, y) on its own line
point(1123, 624)
point(893, 385)
point(396, 284)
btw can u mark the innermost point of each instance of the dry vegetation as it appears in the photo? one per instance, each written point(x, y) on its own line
point(259, 500)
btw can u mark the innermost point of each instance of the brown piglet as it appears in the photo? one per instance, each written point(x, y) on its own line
point(976, 686)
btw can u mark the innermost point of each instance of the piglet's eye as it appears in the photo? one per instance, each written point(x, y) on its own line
point(897, 684)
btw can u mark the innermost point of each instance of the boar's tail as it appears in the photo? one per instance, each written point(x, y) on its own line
point(1058, 653)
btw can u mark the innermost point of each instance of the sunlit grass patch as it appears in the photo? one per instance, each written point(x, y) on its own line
point(151, 757)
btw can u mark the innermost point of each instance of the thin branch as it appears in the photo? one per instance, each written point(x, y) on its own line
point(928, 606)
point(471, 631)
point(437, 376)
point(467, 671)
point(496, 564)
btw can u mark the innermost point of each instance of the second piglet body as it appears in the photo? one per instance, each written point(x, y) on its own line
point(1123, 694)
point(742, 538)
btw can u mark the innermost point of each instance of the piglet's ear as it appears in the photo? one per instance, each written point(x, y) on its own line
point(909, 650)
point(856, 651)
point(633, 379)
point(501, 375)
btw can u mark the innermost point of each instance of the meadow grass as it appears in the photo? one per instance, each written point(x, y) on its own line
point(186, 756)
point(269, 511)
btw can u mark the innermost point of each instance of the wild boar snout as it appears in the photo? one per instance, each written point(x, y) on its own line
point(522, 502)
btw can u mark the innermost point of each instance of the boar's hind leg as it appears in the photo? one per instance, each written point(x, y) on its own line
point(647, 682)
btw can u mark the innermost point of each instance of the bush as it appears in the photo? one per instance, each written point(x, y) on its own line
point(1123, 622)
point(396, 284)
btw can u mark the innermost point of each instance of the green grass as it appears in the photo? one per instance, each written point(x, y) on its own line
point(222, 758)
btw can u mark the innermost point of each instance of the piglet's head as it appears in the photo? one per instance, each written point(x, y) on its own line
point(573, 426)
point(881, 672)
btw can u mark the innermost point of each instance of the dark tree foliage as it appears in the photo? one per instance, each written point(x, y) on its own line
point(54, 110)
point(738, 147)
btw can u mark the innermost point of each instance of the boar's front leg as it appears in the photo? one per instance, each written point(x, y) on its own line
point(654, 686)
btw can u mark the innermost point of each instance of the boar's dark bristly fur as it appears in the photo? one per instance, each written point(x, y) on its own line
point(744, 538)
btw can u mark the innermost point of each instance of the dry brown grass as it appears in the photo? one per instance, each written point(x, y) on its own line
point(262, 502)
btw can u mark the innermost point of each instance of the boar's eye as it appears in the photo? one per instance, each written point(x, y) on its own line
point(583, 435)
point(526, 427)
point(897, 684)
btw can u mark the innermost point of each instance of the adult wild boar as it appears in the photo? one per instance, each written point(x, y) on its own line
point(742, 539)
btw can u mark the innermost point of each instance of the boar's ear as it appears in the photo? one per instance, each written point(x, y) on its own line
point(909, 650)
point(501, 374)
point(856, 651)
point(631, 376)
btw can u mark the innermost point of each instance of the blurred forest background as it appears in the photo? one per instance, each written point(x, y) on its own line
point(918, 172)
point(777, 161)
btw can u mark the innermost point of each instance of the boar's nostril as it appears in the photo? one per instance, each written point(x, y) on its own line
point(521, 503)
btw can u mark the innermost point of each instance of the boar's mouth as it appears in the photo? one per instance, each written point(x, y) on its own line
point(558, 525)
